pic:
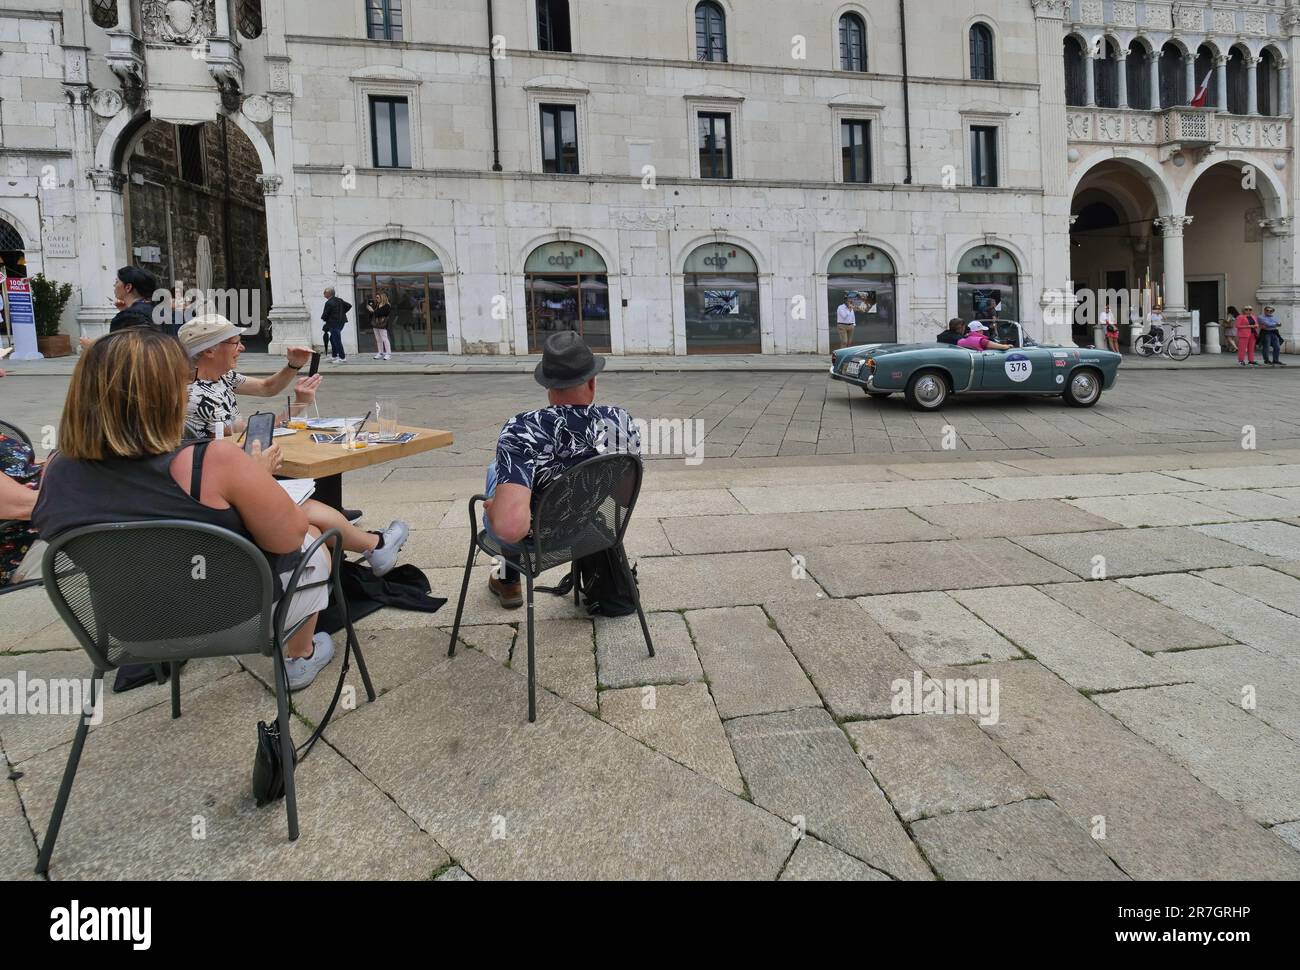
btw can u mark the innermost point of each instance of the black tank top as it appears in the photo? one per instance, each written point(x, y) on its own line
point(76, 493)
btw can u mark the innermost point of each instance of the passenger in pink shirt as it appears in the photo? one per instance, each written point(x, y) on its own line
point(975, 339)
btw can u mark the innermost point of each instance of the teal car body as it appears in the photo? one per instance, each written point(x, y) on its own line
point(928, 374)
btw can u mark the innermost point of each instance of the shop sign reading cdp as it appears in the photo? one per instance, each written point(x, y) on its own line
point(564, 259)
point(983, 261)
point(719, 261)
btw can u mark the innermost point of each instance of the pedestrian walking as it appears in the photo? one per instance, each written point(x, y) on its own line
point(380, 310)
point(1270, 332)
point(335, 317)
point(1247, 331)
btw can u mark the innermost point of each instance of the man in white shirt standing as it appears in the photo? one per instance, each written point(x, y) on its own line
point(846, 322)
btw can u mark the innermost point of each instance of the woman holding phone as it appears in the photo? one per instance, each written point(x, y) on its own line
point(380, 311)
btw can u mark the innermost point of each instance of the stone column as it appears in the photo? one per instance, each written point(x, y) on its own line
point(105, 250)
point(290, 318)
point(1284, 90)
point(1221, 81)
point(1189, 78)
point(1175, 292)
point(1090, 80)
point(1252, 86)
point(1154, 60)
point(1056, 303)
point(1121, 77)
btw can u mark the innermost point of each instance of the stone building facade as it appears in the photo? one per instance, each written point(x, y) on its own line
point(723, 176)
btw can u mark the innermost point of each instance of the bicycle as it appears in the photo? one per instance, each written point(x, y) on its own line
point(1177, 347)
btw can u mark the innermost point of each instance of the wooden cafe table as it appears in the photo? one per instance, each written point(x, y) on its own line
point(304, 458)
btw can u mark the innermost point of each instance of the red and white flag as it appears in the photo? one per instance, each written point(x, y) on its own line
point(1203, 93)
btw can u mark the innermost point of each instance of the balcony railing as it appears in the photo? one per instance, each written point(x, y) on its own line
point(1177, 129)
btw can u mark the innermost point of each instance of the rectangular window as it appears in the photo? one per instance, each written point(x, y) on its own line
point(855, 146)
point(390, 132)
point(553, 32)
point(189, 141)
point(984, 156)
point(715, 145)
point(384, 19)
point(559, 139)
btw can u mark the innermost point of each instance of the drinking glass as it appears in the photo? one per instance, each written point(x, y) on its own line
point(386, 417)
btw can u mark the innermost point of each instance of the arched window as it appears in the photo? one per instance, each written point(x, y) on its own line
point(1076, 81)
point(987, 285)
point(104, 13)
point(710, 33)
point(981, 52)
point(720, 286)
point(248, 17)
point(1139, 76)
point(10, 239)
point(1267, 83)
point(567, 288)
point(410, 275)
point(1106, 76)
point(853, 43)
point(860, 281)
point(1238, 82)
point(1173, 76)
point(1205, 68)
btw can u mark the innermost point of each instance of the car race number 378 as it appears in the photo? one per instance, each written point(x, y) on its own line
point(1018, 367)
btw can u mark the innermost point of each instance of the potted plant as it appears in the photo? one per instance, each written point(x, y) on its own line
point(49, 297)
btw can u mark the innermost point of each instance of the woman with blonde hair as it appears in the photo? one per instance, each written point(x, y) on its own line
point(380, 310)
point(121, 458)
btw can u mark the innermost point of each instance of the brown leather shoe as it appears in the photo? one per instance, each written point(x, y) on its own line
point(511, 595)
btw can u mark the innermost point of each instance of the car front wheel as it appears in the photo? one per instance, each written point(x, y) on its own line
point(1083, 390)
point(927, 391)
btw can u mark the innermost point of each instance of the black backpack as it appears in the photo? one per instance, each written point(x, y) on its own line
point(606, 584)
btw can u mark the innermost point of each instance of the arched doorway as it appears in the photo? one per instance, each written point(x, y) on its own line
point(1205, 56)
point(1076, 68)
point(411, 274)
point(861, 279)
point(1268, 82)
point(721, 292)
point(1238, 82)
point(566, 286)
point(1173, 76)
point(988, 283)
point(1106, 75)
point(13, 253)
point(1139, 75)
point(196, 217)
point(1116, 255)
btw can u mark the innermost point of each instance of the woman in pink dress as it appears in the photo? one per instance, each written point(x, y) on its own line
point(1247, 331)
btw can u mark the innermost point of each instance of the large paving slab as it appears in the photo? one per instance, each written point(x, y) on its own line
point(1148, 511)
point(908, 567)
point(679, 721)
point(936, 764)
point(935, 630)
point(143, 780)
point(26, 612)
point(1258, 624)
point(1253, 503)
point(1082, 486)
point(1160, 821)
point(1025, 518)
point(1270, 538)
point(851, 660)
point(1137, 552)
point(1237, 755)
point(831, 498)
point(1148, 625)
point(1288, 833)
point(623, 661)
point(796, 531)
point(1241, 675)
point(798, 763)
point(728, 579)
point(1030, 840)
point(1260, 583)
point(24, 736)
point(564, 657)
point(1079, 652)
point(1260, 476)
point(815, 861)
point(495, 640)
point(17, 850)
point(748, 665)
point(570, 797)
point(696, 501)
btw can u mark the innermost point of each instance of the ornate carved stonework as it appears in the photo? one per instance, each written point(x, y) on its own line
point(1173, 225)
point(178, 21)
point(1079, 126)
point(1256, 22)
point(1276, 227)
point(1054, 9)
point(270, 183)
point(1090, 12)
point(1190, 19)
point(1272, 134)
point(1143, 129)
point(1225, 22)
point(1110, 127)
point(74, 66)
point(639, 218)
point(106, 180)
point(1125, 13)
point(1291, 20)
point(106, 102)
point(257, 109)
point(1241, 134)
point(1159, 17)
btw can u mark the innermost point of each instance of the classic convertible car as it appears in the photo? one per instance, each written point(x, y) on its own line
point(927, 374)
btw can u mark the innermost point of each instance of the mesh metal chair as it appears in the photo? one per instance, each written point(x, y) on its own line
point(585, 510)
point(13, 431)
point(168, 591)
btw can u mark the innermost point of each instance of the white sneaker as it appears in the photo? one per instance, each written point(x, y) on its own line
point(388, 356)
point(383, 559)
point(303, 670)
point(379, 356)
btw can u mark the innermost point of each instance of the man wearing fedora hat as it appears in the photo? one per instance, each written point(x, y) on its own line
point(536, 447)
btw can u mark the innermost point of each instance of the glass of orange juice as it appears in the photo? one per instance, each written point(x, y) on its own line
point(298, 415)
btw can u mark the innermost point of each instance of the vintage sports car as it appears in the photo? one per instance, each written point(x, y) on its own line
point(928, 374)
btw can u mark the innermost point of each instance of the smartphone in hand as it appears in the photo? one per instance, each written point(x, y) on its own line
point(261, 427)
point(315, 363)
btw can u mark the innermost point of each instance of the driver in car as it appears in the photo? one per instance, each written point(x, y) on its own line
point(975, 339)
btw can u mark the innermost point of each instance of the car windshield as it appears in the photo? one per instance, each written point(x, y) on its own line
point(1007, 332)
